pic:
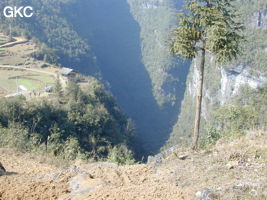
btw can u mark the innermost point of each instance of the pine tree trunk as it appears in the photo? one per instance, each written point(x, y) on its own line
point(199, 100)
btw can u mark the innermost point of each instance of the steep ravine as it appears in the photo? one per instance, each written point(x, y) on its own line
point(114, 36)
point(123, 42)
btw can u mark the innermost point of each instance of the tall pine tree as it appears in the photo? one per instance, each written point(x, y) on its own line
point(206, 26)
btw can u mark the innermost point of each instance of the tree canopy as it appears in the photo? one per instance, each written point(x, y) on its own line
point(208, 24)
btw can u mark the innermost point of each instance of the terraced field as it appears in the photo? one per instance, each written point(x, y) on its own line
point(11, 78)
point(19, 69)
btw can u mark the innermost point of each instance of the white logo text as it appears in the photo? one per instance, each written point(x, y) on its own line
point(13, 12)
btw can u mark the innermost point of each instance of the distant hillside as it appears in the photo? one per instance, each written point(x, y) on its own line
point(157, 19)
point(58, 41)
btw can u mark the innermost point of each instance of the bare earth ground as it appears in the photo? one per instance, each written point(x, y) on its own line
point(230, 170)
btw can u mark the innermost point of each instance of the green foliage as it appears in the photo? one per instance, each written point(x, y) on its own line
point(209, 25)
point(72, 148)
point(231, 118)
point(122, 155)
point(254, 53)
point(58, 88)
point(88, 124)
point(247, 111)
point(256, 99)
point(16, 136)
point(44, 52)
point(50, 29)
point(156, 19)
point(211, 137)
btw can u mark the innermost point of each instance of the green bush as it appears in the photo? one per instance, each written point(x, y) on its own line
point(233, 117)
point(121, 154)
point(16, 137)
point(230, 121)
point(211, 137)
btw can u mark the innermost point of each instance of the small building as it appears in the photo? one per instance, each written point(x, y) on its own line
point(67, 72)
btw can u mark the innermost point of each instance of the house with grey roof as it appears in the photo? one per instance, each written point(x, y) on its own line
point(67, 72)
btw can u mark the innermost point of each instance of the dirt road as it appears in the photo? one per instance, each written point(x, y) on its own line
point(18, 40)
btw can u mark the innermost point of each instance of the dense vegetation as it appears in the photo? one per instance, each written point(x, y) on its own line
point(220, 119)
point(255, 54)
point(247, 111)
point(58, 42)
point(156, 19)
point(78, 123)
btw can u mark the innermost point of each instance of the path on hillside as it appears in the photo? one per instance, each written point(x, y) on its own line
point(29, 69)
point(18, 40)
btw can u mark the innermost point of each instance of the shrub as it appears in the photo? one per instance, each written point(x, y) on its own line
point(122, 155)
point(15, 136)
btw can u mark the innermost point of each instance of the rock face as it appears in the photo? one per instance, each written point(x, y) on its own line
point(233, 79)
point(2, 169)
point(260, 19)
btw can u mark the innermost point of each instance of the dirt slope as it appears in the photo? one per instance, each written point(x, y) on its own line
point(230, 170)
point(29, 178)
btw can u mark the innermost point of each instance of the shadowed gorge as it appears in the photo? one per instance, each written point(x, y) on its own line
point(114, 36)
point(105, 38)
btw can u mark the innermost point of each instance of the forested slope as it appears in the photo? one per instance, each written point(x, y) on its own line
point(58, 41)
point(157, 19)
point(76, 123)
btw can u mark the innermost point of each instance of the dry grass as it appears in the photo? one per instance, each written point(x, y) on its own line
point(173, 179)
point(232, 169)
